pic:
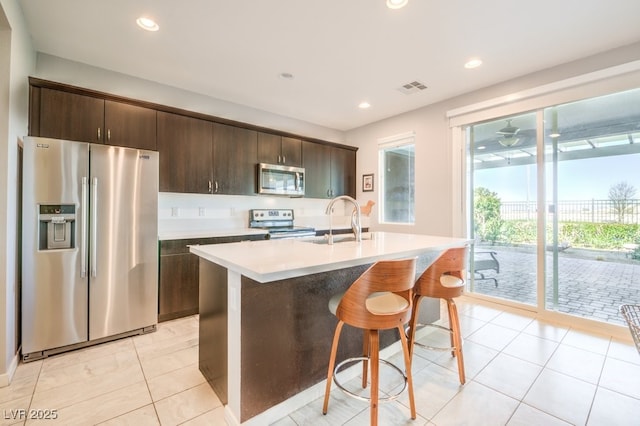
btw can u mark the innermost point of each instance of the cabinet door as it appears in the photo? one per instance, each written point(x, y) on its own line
point(64, 115)
point(343, 172)
point(130, 125)
point(186, 152)
point(178, 291)
point(317, 167)
point(235, 155)
point(291, 151)
point(269, 148)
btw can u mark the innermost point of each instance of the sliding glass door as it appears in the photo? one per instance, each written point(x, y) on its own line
point(587, 262)
point(592, 162)
point(503, 155)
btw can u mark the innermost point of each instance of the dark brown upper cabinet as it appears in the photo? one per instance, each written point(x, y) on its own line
point(343, 172)
point(317, 170)
point(129, 125)
point(200, 156)
point(235, 155)
point(66, 115)
point(185, 145)
point(62, 115)
point(330, 171)
point(198, 153)
point(276, 149)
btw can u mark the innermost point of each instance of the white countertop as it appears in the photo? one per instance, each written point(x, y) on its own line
point(185, 234)
point(272, 260)
point(208, 233)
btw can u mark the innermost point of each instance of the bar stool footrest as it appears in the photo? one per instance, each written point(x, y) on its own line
point(365, 398)
point(434, 348)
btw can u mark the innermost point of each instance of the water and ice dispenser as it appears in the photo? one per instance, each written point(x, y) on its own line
point(57, 224)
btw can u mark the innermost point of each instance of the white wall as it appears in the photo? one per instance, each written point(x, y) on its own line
point(434, 152)
point(17, 60)
point(197, 212)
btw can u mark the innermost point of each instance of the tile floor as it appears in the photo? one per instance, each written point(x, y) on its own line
point(520, 371)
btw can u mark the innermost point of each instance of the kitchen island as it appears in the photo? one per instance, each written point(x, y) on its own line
point(265, 329)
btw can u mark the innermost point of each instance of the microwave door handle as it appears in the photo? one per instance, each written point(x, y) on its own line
point(297, 181)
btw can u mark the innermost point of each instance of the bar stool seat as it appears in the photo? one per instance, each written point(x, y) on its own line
point(379, 303)
point(444, 279)
point(379, 299)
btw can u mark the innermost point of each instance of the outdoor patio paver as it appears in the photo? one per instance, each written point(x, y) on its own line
point(590, 285)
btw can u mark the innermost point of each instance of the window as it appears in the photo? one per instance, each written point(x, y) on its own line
point(397, 177)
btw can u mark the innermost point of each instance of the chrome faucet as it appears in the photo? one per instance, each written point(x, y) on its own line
point(356, 218)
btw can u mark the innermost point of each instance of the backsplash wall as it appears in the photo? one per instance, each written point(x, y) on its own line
point(200, 212)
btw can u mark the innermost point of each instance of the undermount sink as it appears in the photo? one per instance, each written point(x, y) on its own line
point(337, 239)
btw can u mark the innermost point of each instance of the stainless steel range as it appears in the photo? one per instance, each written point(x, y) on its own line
point(279, 223)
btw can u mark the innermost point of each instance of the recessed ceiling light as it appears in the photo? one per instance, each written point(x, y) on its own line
point(473, 63)
point(396, 4)
point(147, 24)
point(286, 76)
point(364, 105)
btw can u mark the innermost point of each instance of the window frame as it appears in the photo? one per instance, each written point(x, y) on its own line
point(384, 144)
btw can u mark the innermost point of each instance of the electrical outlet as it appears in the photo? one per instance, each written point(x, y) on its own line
point(201, 211)
point(175, 211)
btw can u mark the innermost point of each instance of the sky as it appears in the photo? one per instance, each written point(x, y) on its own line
point(577, 179)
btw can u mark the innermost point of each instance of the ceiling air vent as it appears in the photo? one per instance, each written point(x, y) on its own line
point(413, 87)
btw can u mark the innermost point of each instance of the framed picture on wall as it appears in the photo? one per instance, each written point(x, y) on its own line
point(367, 182)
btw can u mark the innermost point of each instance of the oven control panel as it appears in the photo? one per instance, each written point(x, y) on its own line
point(270, 215)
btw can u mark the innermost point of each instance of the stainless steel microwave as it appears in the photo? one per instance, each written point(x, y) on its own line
point(276, 179)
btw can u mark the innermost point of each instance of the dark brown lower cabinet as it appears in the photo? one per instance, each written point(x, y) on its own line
point(178, 278)
point(178, 290)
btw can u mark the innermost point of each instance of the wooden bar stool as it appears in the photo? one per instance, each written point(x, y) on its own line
point(444, 279)
point(380, 299)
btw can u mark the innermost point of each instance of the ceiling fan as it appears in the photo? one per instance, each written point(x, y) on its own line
point(508, 134)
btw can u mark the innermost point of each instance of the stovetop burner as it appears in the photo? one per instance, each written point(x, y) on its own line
point(279, 223)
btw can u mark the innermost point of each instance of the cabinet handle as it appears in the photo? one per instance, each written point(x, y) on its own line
point(99, 134)
point(216, 187)
point(108, 134)
point(284, 159)
point(329, 193)
point(210, 187)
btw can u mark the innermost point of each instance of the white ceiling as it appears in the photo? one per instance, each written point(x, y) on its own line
point(340, 52)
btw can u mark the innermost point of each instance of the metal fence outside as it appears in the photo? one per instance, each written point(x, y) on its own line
point(594, 211)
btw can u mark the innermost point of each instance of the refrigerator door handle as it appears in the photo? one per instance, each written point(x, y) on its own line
point(83, 231)
point(94, 225)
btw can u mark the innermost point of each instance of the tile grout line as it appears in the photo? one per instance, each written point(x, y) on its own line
point(35, 385)
point(146, 382)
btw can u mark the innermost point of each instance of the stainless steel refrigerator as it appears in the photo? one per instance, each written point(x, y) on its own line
point(89, 244)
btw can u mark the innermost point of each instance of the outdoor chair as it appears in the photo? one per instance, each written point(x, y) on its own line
point(631, 314)
point(485, 261)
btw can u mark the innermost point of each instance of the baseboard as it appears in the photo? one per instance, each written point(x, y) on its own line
point(5, 378)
